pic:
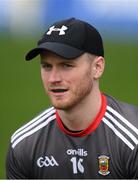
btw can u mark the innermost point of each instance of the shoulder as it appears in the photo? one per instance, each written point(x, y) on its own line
point(33, 126)
point(122, 118)
point(123, 110)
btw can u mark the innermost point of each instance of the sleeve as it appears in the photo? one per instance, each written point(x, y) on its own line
point(14, 169)
point(132, 165)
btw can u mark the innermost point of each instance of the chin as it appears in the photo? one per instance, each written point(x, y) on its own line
point(62, 105)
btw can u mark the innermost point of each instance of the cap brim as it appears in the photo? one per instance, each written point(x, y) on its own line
point(62, 50)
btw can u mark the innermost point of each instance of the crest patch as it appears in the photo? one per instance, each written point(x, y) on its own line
point(103, 165)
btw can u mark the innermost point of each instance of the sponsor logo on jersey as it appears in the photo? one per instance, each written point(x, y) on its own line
point(79, 152)
point(103, 165)
point(46, 161)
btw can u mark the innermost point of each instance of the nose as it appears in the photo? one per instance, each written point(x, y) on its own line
point(54, 76)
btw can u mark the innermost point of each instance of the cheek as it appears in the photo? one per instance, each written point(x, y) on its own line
point(82, 81)
point(44, 79)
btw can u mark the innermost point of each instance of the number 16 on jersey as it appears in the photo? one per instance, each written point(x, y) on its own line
point(77, 165)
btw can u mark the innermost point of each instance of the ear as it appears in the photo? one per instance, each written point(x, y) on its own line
point(98, 67)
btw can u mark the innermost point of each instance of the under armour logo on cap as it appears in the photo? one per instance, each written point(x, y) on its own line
point(61, 30)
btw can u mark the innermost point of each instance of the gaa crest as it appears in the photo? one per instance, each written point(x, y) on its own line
point(103, 165)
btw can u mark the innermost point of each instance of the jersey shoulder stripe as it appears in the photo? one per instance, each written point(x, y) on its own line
point(32, 121)
point(124, 120)
point(31, 127)
point(121, 127)
point(125, 130)
point(111, 126)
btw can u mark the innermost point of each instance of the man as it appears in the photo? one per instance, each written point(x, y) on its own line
point(86, 134)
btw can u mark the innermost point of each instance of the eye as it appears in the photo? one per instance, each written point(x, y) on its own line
point(67, 65)
point(46, 66)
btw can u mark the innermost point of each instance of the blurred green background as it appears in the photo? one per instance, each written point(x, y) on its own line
point(22, 22)
point(22, 93)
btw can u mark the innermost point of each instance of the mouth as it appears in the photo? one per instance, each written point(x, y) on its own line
point(59, 90)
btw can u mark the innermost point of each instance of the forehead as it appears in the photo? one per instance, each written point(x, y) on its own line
point(49, 56)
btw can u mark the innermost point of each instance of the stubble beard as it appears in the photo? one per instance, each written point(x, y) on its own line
point(78, 95)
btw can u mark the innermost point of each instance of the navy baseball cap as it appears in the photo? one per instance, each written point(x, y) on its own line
point(69, 39)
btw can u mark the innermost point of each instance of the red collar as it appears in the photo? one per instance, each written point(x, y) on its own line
point(91, 127)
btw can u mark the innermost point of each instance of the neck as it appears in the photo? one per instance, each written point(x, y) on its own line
point(83, 114)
